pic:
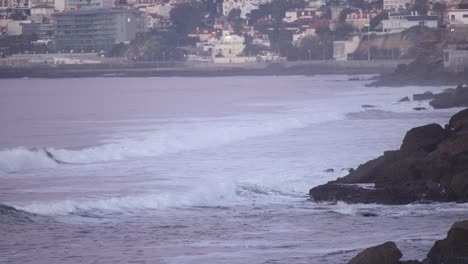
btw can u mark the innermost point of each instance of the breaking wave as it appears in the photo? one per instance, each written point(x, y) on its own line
point(164, 140)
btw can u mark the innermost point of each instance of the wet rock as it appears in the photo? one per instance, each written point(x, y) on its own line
point(368, 106)
point(452, 98)
point(404, 99)
point(423, 97)
point(423, 138)
point(329, 170)
point(459, 185)
point(459, 121)
point(367, 214)
point(431, 165)
point(453, 249)
point(386, 253)
point(419, 108)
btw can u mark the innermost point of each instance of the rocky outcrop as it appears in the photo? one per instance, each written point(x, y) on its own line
point(451, 98)
point(423, 96)
point(451, 250)
point(386, 253)
point(431, 165)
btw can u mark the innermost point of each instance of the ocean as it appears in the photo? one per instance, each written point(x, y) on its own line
point(202, 170)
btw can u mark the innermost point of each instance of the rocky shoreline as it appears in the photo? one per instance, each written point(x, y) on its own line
point(431, 165)
point(451, 250)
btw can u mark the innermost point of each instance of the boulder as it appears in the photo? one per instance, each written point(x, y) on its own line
point(424, 138)
point(453, 98)
point(423, 97)
point(329, 170)
point(386, 253)
point(459, 121)
point(453, 249)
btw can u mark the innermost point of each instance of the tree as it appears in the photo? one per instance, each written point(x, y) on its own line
point(187, 17)
point(440, 9)
point(344, 31)
point(375, 21)
point(344, 13)
point(421, 6)
point(234, 14)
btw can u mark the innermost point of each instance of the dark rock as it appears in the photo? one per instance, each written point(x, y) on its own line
point(431, 165)
point(454, 98)
point(459, 185)
point(423, 138)
point(347, 169)
point(355, 194)
point(368, 106)
point(453, 249)
point(423, 97)
point(386, 253)
point(329, 170)
point(419, 108)
point(410, 262)
point(459, 120)
point(367, 214)
point(404, 99)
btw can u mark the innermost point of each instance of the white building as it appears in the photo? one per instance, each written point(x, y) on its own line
point(457, 17)
point(246, 6)
point(360, 18)
point(302, 13)
point(395, 4)
point(229, 49)
point(88, 4)
point(398, 22)
point(342, 49)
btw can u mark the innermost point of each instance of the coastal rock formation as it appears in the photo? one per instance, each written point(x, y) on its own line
point(386, 253)
point(451, 98)
point(452, 250)
point(431, 165)
point(423, 96)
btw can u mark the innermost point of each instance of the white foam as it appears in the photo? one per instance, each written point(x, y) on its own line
point(165, 140)
point(17, 159)
point(210, 194)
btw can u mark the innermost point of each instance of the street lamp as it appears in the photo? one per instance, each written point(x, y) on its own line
point(368, 42)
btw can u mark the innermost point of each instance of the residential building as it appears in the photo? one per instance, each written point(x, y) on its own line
point(457, 17)
point(397, 22)
point(245, 6)
point(203, 34)
point(293, 15)
point(87, 4)
point(42, 12)
point(390, 5)
point(343, 49)
point(97, 29)
point(360, 19)
point(14, 3)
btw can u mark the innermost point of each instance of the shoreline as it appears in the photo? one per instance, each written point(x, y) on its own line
point(199, 70)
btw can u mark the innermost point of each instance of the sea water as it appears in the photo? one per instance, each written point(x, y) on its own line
point(201, 170)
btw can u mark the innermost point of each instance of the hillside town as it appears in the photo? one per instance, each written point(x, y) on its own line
point(229, 31)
